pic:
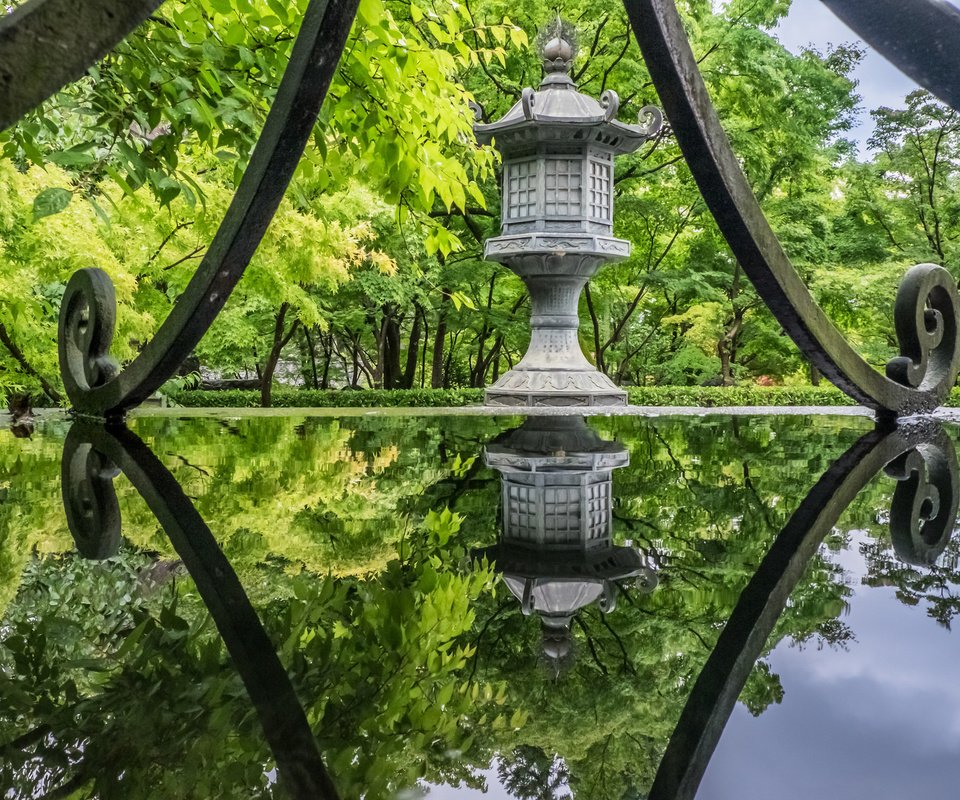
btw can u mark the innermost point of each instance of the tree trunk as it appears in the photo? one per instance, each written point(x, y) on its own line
point(413, 348)
point(479, 368)
point(439, 337)
point(423, 353)
point(595, 324)
point(454, 337)
point(327, 358)
point(390, 338)
point(312, 353)
point(280, 340)
point(726, 378)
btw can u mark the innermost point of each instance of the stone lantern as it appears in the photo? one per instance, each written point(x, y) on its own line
point(558, 147)
point(556, 553)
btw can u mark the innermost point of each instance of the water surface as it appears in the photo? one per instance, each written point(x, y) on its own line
point(460, 606)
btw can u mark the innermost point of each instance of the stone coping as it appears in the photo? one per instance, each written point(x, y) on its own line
point(945, 414)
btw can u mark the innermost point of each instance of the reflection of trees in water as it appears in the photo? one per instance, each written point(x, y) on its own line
point(707, 500)
point(934, 587)
point(528, 773)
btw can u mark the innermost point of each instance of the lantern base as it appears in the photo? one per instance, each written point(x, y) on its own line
point(555, 387)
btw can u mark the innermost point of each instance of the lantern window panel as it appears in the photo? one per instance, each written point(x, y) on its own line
point(598, 510)
point(522, 189)
point(561, 511)
point(601, 191)
point(564, 187)
point(521, 508)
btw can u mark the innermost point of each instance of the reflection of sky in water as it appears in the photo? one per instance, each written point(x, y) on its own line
point(881, 720)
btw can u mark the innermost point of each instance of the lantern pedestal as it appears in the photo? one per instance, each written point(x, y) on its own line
point(554, 371)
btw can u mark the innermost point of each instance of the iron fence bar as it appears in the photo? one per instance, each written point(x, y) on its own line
point(46, 44)
point(923, 461)
point(927, 306)
point(920, 37)
point(95, 384)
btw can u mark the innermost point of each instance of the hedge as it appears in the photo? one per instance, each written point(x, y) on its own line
point(329, 398)
point(702, 396)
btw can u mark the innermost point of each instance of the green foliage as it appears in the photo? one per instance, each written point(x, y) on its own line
point(306, 398)
point(372, 273)
point(705, 396)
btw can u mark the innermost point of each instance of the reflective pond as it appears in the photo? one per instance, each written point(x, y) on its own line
point(398, 606)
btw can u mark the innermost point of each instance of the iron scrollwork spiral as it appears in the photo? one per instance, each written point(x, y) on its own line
point(927, 306)
point(924, 507)
point(94, 384)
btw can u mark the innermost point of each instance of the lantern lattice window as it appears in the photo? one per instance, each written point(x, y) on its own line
point(522, 508)
point(598, 510)
point(522, 189)
point(561, 506)
point(600, 205)
point(564, 183)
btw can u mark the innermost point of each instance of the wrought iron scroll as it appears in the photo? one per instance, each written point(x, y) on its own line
point(927, 307)
point(922, 458)
point(46, 44)
point(94, 383)
point(91, 457)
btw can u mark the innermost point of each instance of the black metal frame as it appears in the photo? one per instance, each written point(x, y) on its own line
point(927, 307)
point(47, 44)
point(94, 383)
point(927, 311)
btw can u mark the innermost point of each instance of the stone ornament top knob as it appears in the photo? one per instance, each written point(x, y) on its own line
point(557, 54)
point(558, 47)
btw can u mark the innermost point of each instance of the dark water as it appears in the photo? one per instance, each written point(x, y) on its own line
point(465, 607)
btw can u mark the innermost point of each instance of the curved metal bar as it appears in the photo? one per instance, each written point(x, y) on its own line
point(914, 451)
point(300, 765)
point(927, 308)
point(87, 300)
point(46, 44)
point(919, 37)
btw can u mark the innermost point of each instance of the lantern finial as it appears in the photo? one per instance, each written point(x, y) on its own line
point(558, 46)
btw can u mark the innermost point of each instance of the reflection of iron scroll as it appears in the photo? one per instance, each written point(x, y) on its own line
point(89, 458)
point(927, 307)
point(923, 460)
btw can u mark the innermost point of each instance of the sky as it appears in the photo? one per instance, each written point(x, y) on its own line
point(880, 83)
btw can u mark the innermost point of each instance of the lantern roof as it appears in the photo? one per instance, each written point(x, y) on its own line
point(557, 104)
